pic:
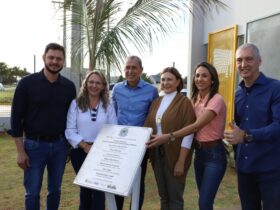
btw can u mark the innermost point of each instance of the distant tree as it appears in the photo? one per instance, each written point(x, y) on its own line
point(18, 73)
point(3, 71)
point(120, 78)
point(145, 77)
point(185, 80)
point(11, 75)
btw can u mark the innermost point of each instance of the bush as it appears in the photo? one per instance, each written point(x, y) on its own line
point(6, 100)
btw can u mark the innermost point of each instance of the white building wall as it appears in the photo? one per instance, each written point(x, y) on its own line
point(238, 12)
point(196, 50)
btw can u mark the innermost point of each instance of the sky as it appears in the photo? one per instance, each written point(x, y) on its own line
point(28, 26)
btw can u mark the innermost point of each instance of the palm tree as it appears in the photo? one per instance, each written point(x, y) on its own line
point(104, 30)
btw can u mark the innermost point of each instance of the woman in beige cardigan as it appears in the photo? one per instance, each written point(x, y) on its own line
point(171, 160)
point(210, 155)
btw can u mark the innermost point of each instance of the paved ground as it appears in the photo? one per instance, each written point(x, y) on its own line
point(5, 113)
point(5, 110)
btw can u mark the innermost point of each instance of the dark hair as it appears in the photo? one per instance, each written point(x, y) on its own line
point(83, 97)
point(214, 85)
point(134, 57)
point(178, 76)
point(54, 46)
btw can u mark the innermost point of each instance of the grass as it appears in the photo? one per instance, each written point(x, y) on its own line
point(6, 96)
point(12, 191)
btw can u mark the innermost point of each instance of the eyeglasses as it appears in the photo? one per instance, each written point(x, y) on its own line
point(94, 82)
point(93, 114)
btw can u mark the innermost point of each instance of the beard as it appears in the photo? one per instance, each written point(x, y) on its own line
point(52, 71)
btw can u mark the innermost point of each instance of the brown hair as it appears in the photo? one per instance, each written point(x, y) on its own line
point(178, 76)
point(54, 46)
point(214, 85)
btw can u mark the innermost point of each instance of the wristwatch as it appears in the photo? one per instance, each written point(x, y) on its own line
point(248, 137)
point(171, 137)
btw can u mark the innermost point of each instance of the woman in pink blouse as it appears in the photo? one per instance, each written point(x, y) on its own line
point(210, 156)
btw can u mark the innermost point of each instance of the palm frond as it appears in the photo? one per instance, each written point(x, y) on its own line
point(106, 36)
point(207, 5)
point(145, 22)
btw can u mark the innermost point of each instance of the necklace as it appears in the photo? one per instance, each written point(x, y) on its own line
point(94, 112)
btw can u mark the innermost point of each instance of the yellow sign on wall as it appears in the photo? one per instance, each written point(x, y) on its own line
point(221, 53)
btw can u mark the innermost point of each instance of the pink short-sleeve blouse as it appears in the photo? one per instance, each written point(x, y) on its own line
point(215, 128)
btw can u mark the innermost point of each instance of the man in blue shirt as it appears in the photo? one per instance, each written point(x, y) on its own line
point(132, 99)
point(38, 122)
point(256, 133)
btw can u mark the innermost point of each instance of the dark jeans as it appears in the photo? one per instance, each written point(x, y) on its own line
point(120, 199)
point(89, 199)
point(210, 166)
point(260, 190)
point(41, 155)
point(170, 189)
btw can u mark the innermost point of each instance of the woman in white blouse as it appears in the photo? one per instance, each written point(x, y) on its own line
point(85, 118)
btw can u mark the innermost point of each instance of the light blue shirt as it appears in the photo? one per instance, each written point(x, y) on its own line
point(132, 104)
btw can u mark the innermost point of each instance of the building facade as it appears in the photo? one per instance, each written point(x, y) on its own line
point(257, 22)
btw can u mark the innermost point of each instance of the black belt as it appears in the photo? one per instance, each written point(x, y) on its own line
point(207, 144)
point(45, 138)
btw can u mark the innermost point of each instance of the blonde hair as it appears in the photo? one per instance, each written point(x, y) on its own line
point(83, 97)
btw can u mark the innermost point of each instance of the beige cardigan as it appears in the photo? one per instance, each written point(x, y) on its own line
point(179, 114)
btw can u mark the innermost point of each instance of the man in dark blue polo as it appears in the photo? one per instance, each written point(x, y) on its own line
point(38, 123)
point(256, 133)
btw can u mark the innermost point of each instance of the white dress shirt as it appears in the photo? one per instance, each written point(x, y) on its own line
point(80, 126)
point(165, 102)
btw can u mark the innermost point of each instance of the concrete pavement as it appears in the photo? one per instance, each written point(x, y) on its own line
point(5, 110)
point(5, 113)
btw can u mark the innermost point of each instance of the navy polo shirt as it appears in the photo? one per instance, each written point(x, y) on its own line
point(40, 107)
point(257, 110)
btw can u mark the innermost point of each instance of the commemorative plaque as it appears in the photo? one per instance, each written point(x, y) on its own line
point(114, 159)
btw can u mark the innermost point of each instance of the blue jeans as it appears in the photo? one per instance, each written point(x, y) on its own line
point(260, 190)
point(89, 199)
point(42, 154)
point(210, 166)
